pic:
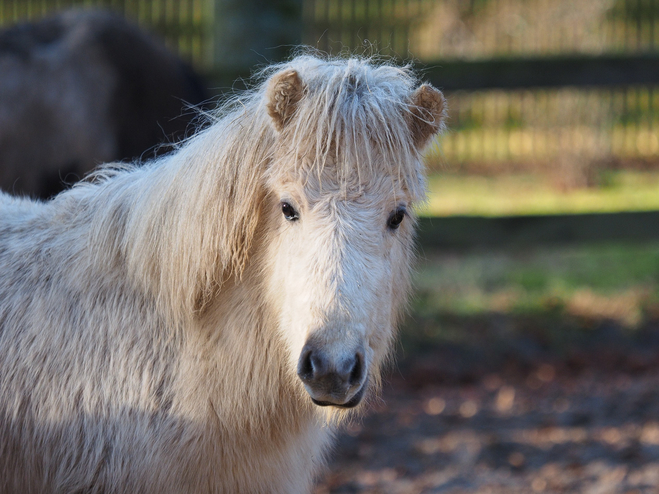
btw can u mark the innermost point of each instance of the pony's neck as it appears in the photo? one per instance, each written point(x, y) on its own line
point(243, 368)
point(194, 215)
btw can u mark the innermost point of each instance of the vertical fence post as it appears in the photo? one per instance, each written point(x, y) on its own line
point(253, 32)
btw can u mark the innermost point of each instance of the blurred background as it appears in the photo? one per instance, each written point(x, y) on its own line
point(529, 359)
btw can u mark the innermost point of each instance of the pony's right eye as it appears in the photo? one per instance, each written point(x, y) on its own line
point(396, 218)
point(289, 212)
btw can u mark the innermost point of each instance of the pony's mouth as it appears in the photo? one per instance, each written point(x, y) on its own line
point(353, 402)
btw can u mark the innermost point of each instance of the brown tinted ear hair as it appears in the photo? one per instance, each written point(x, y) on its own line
point(427, 114)
point(284, 91)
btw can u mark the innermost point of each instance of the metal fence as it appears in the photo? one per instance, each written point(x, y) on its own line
point(574, 128)
point(489, 130)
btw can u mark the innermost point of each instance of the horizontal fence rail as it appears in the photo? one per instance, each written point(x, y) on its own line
point(465, 232)
point(522, 73)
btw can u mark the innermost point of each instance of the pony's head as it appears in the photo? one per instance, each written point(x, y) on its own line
point(313, 175)
point(341, 185)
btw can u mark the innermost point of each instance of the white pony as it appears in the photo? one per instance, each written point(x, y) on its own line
point(200, 323)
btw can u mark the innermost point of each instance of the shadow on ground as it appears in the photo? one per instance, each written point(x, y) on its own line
point(509, 409)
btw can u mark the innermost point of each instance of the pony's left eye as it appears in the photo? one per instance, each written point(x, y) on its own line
point(396, 218)
point(289, 212)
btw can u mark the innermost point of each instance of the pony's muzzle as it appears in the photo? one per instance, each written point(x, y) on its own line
point(332, 381)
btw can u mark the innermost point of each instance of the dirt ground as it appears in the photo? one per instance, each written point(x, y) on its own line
point(585, 422)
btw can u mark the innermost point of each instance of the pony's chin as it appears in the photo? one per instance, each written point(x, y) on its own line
point(354, 401)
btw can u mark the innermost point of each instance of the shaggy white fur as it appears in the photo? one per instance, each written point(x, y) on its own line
point(152, 320)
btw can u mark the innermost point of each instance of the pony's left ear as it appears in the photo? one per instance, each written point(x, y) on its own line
point(427, 114)
point(283, 94)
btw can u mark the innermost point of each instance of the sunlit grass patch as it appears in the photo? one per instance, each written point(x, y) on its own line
point(527, 194)
point(600, 282)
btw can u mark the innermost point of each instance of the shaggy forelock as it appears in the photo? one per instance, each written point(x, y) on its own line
point(352, 117)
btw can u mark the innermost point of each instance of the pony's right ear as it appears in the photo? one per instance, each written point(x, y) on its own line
point(427, 114)
point(283, 94)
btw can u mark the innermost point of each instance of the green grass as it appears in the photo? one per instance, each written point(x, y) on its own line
point(555, 293)
point(453, 194)
point(588, 283)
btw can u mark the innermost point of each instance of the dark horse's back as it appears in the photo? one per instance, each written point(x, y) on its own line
point(81, 88)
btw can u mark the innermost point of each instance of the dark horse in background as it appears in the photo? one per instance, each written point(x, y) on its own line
point(81, 88)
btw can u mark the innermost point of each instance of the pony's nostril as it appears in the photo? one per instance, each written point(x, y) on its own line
point(319, 364)
point(313, 364)
point(357, 372)
point(305, 366)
